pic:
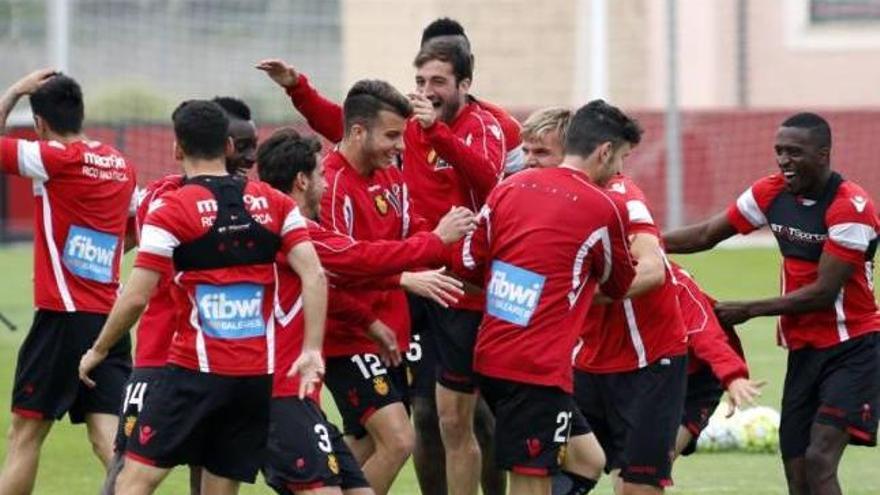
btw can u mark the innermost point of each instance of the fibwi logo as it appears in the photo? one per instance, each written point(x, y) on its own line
point(231, 311)
point(90, 254)
point(513, 293)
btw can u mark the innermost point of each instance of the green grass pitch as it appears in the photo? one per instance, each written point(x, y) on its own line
point(69, 467)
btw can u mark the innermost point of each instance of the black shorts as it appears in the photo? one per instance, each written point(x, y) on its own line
point(421, 358)
point(140, 383)
point(361, 385)
point(218, 422)
point(306, 451)
point(704, 392)
point(47, 383)
point(837, 386)
point(532, 425)
point(635, 416)
point(455, 338)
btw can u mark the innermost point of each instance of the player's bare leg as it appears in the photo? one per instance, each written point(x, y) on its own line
point(827, 444)
point(584, 462)
point(139, 479)
point(429, 457)
point(102, 428)
point(493, 481)
point(463, 463)
point(682, 439)
point(213, 484)
point(529, 485)
point(393, 437)
point(113, 471)
point(195, 480)
point(23, 443)
point(361, 448)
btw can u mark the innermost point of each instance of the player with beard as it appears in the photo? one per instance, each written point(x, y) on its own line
point(826, 228)
point(453, 157)
point(540, 274)
point(307, 454)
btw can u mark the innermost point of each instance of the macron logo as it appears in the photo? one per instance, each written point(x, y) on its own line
point(155, 205)
point(859, 202)
point(496, 131)
point(82, 247)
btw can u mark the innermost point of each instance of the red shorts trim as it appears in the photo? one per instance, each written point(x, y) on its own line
point(297, 487)
point(861, 435)
point(366, 416)
point(139, 458)
point(530, 471)
point(28, 413)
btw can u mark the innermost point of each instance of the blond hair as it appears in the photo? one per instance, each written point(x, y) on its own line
point(546, 120)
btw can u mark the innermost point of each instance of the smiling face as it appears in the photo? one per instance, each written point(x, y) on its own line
point(436, 80)
point(244, 140)
point(383, 140)
point(802, 160)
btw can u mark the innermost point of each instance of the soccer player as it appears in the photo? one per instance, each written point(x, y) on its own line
point(83, 192)
point(826, 228)
point(716, 363)
point(313, 455)
point(221, 233)
point(157, 325)
point(539, 275)
point(543, 135)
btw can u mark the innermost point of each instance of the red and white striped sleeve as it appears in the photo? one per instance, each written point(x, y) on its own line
point(36, 160)
point(852, 224)
point(747, 214)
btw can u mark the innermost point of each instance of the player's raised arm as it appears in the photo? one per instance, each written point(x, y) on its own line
point(323, 115)
point(24, 86)
point(699, 237)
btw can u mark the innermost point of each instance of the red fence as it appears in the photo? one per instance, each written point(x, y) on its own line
point(724, 151)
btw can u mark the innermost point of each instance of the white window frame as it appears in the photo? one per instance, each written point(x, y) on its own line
point(802, 34)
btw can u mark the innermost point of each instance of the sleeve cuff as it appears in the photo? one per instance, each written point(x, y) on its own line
point(851, 256)
point(739, 222)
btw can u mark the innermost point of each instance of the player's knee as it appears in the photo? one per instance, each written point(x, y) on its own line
point(820, 464)
point(455, 428)
point(425, 421)
point(24, 433)
point(398, 444)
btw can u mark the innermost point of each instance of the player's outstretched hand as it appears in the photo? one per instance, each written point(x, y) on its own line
point(457, 223)
point(386, 339)
point(310, 368)
point(433, 284)
point(742, 391)
point(31, 82)
point(423, 110)
point(279, 71)
point(731, 314)
point(89, 361)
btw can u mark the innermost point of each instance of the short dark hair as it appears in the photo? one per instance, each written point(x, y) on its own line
point(201, 128)
point(235, 108)
point(598, 122)
point(818, 127)
point(447, 50)
point(444, 26)
point(368, 97)
point(59, 101)
point(285, 154)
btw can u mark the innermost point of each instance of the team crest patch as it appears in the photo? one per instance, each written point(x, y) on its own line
point(381, 204)
point(130, 421)
point(380, 385)
point(333, 463)
point(560, 456)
